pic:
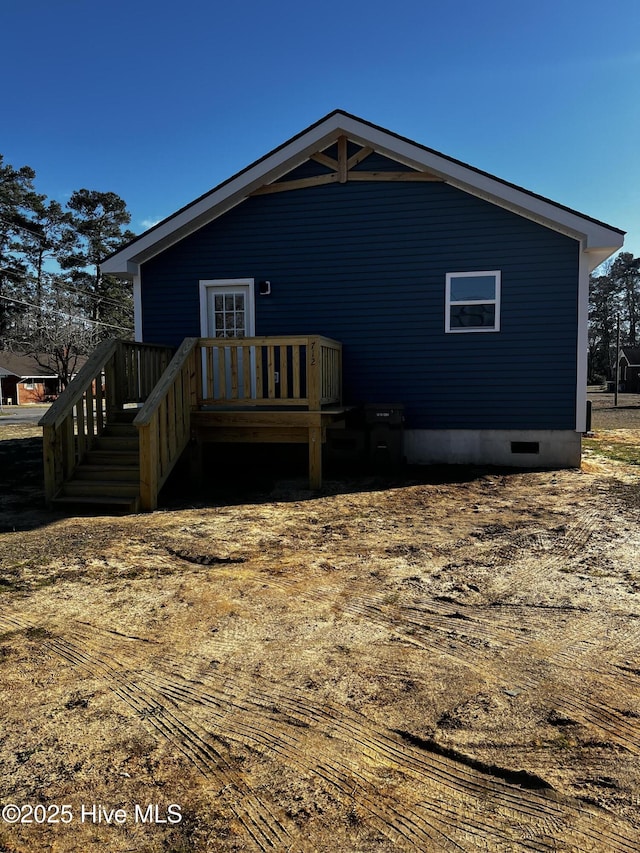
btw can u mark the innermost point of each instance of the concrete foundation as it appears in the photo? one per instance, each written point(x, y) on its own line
point(513, 448)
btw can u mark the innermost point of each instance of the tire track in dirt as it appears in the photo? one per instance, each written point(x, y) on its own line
point(267, 831)
point(470, 636)
point(578, 647)
point(456, 806)
point(575, 650)
point(532, 555)
point(472, 630)
point(144, 698)
point(455, 790)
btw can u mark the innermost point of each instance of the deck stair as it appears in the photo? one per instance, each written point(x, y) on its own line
point(108, 476)
point(92, 448)
point(114, 435)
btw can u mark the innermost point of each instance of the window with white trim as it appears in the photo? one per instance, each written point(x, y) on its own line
point(472, 301)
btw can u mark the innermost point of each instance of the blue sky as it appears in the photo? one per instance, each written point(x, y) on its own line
point(160, 101)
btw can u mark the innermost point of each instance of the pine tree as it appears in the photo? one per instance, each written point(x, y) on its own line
point(97, 228)
point(614, 293)
point(17, 197)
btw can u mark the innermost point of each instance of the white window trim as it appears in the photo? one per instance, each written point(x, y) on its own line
point(448, 303)
point(228, 282)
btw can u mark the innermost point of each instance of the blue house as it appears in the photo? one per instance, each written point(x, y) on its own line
point(406, 275)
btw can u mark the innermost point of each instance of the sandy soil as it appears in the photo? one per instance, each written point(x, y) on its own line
point(447, 662)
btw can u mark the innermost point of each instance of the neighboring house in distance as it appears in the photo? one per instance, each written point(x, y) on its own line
point(629, 361)
point(23, 380)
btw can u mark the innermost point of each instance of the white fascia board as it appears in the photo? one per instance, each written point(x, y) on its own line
point(219, 201)
point(595, 237)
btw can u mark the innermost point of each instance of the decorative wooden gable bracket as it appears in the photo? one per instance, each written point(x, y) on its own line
point(342, 170)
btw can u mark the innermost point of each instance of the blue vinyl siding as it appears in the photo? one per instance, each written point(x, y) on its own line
point(365, 263)
point(308, 169)
point(379, 163)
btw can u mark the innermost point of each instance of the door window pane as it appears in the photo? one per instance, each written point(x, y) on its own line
point(229, 314)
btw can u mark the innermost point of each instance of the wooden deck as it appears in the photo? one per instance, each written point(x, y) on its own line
point(98, 449)
point(282, 426)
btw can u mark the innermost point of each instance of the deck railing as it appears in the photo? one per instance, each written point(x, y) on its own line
point(164, 422)
point(137, 367)
point(116, 373)
point(303, 371)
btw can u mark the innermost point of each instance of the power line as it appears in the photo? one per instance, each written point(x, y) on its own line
point(83, 320)
point(57, 281)
point(86, 293)
point(34, 233)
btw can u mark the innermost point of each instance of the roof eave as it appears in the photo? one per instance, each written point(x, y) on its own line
point(221, 199)
point(596, 238)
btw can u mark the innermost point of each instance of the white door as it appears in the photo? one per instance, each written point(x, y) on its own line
point(227, 310)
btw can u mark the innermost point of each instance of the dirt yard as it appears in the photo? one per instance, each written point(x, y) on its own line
point(448, 662)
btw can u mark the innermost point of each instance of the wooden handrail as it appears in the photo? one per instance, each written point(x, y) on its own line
point(116, 373)
point(275, 340)
point(164, 422)
point(63, 406)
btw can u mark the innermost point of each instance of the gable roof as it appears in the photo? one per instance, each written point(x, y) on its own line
point(23, 366)
point(632, 354)
point(598, 240)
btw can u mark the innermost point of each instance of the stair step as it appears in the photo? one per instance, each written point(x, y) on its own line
point(97, 502)
point(119, 458)
point(123, 416)
point(101, 488)
point(116, 443)
point(108, 471)
point(117, 430)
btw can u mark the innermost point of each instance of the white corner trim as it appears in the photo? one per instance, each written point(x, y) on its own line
point(582, 341)
point(137, 307)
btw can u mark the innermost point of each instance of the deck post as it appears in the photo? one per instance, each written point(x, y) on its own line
point(149, 465)
point(68, 446)
point(315, 457)
point(52, 458)
point(110, 388)
point(314, 383)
